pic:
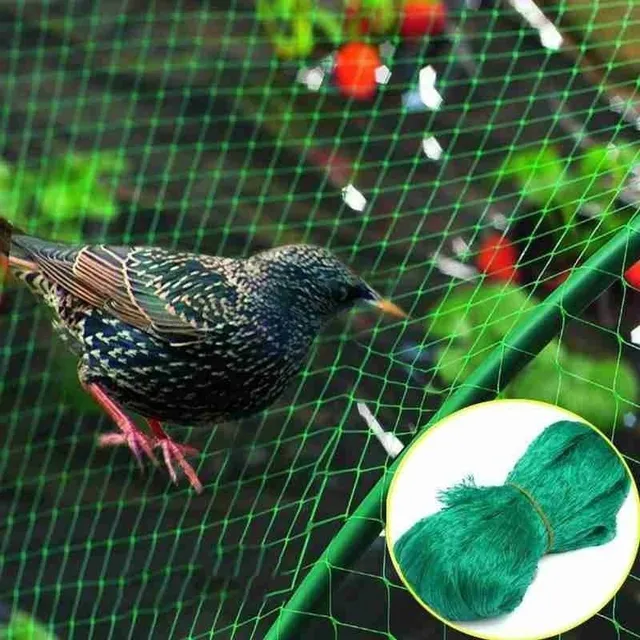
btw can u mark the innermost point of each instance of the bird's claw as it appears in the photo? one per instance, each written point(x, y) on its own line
point(137, 441)
point(177, 452)
point(172, 452)
point(140, 442)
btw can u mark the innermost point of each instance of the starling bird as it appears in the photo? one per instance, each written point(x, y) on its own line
point(180, 337)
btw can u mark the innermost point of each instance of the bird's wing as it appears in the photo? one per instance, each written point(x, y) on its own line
point(164, 293)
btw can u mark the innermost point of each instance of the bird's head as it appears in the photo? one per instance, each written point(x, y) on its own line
point(313, 281)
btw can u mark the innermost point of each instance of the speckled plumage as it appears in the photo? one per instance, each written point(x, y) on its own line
point(181, 337)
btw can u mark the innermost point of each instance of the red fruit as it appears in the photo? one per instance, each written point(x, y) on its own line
point(356, 64)
point(498, 258)
point(423, 18)
point(632, 275)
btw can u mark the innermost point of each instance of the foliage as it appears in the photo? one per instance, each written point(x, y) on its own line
point(580, 200)
point(53, 202)
point(23, 627)
point(471, 322)
point(292, 25)
point(62, 193)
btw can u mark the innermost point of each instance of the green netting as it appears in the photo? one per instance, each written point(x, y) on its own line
point(179, 124)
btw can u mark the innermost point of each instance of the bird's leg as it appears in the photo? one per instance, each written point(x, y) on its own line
point(174, 451)
point(129, 434)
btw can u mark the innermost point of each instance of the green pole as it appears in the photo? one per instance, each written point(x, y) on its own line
point(362, 527)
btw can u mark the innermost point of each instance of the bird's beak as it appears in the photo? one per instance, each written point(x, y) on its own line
point(372, 297)
point(386, 306)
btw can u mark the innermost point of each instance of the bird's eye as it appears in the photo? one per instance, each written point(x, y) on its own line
point(342, 293)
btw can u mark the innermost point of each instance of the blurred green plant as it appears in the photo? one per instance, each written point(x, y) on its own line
point(21, 626)
point(292, 25)
point(471, 322)
point(55, 199)
point(579, 200)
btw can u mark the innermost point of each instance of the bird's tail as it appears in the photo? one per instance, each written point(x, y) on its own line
point(9, 252)
point(6, 231)
point(10, 239)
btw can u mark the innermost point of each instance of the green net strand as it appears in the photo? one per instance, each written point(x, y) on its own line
point(363, 525)
point(478, 555)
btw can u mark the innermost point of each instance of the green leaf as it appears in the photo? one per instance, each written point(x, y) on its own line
point(456, 364)
point(538, 172)
point(16, 191)
point(303, 35)
point(284, 10)
point(58, 201)
point(66, 232)
point(70, 166)
point(469, 323)
point(383, 13)
point(609, 167)
point(332, 26)
point(98, 203)
point(601, 391)
point(6, 173)
point(585, 235)
point(89, 168)
point(297, 15)
point(71, 189)
point(24, 627)
point(474, 314)
point(108, 163)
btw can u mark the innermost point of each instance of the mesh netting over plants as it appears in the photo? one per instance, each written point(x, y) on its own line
point(481, 173)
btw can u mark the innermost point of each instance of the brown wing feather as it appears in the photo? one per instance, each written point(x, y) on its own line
point(106, 278)
point(112, 281)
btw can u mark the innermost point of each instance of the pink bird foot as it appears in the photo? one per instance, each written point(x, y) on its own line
point(172, 451)
point(140, 443)
point(137, 441)
point(129, 434)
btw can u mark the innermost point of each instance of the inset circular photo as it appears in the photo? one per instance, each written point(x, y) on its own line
point(513, 519)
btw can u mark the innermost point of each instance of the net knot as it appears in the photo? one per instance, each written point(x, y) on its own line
point(538, 509)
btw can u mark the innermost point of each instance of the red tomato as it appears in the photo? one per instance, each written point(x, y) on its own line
point(498, 258)
point(423, 18)
point(356, 64)
point(632, 275)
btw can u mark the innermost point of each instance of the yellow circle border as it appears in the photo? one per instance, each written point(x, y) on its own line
point(441, 423)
